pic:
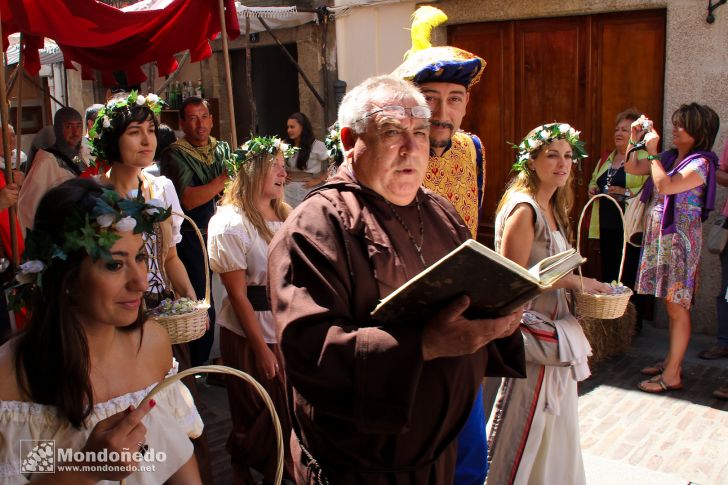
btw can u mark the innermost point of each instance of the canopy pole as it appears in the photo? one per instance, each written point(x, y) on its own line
point(228, 77)
point(293, 61)
point(171, 77)
point(249, 80)
point(5, 114)
point(11, 81)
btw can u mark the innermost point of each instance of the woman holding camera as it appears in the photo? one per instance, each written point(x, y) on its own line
point(679, 196)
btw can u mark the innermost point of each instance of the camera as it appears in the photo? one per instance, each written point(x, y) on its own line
point(646, 125)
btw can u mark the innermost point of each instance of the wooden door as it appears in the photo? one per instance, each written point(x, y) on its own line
point(582, 70)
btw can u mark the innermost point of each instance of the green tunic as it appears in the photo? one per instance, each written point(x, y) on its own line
point(190, 166)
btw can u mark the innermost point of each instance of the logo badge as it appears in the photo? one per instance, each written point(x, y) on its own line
point(39, 456)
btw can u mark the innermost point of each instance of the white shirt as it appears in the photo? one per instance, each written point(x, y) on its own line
point(169, 425)
point(234, 244)
point(316, 159)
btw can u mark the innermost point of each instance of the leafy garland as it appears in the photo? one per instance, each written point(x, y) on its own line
point(114, 108)
point(258, 145)
point(544, 135)
point(333, 142)
point(94, 233)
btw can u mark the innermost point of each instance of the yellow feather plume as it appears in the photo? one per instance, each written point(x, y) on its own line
point(424, 20)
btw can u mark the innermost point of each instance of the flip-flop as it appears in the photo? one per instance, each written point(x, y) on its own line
point(654, 370)
point(660, 382)
point(721, 392)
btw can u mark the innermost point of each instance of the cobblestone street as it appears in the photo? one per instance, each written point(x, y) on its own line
point(628, 436)
point(631, 437)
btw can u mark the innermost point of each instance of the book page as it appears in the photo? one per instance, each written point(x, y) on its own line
point(553, 268)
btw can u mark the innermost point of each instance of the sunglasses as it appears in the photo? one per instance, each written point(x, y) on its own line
point(400, 112)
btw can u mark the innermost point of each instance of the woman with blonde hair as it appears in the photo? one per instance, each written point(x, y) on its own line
point(535, 430)
point(251, 211)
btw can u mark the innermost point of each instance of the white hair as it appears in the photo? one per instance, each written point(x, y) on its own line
point(360, 100)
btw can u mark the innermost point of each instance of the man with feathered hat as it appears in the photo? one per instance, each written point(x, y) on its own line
point(445, 76)
point(456, 170)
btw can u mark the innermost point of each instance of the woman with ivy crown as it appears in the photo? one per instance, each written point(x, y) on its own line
point(125, 137)
point(535, 431)
point(251, 211)
point(86, 359)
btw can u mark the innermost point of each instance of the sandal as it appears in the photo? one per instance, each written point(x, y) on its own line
point(654, 370)
point(663, 387)
point(715, 352)
point(721, 392)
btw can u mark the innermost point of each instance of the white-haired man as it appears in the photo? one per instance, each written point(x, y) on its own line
point(375, 402)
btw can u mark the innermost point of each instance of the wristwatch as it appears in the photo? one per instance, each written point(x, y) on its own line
point(627, 193)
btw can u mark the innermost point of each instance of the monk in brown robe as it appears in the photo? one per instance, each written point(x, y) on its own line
point(378, 403)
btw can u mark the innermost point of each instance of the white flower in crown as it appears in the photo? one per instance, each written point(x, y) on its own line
point(565, 128)
point(29, 270)
point(246, 145)
point(140, 100)
point(125, 224)
point(32, 266)
point(105, 220)
point(152, 98)
point(107, 122)
point(543, 134)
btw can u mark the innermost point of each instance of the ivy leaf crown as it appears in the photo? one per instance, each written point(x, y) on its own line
point(95, 233)
point(258, 145)
point(544, 135)
point(114, 108)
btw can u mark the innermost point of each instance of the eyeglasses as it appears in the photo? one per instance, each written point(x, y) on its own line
point(400, 112)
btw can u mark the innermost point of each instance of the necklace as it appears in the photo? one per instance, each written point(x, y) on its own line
point(418, 247)
point(611, 172)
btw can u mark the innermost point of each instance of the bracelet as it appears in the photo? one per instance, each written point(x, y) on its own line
point(653, 157)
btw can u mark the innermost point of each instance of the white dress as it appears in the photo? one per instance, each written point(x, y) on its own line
point(534, 431)
point(169, 425)
point(316, 164)
point(160, 188)
point(234, 244)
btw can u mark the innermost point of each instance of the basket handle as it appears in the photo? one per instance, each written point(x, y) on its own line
point(204, 252)
point(624, 236)
point(221, 369)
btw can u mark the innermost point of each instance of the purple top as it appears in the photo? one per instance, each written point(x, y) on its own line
point(668, 158)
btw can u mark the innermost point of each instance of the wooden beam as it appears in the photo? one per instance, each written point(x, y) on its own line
point(228, 77)
point(293, 61)
point(171, 77)
point(5, 114)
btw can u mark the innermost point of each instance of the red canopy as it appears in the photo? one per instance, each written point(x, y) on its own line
point(100, 37)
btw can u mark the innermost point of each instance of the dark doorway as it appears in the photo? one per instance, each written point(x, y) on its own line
point(275, 88)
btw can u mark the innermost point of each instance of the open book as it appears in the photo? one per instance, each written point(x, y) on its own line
point(496, 285)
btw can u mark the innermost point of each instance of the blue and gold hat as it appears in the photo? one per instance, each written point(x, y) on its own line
point(425, 63)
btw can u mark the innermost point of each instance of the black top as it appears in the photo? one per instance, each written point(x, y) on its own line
point(608, 215)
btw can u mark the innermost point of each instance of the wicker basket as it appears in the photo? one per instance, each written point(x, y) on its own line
point(605, 307)
point(189, 326)
point(221, 369)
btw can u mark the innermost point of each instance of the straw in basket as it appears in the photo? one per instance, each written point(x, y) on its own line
point(605, 307)
point(221, 369)
point(192, 325)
